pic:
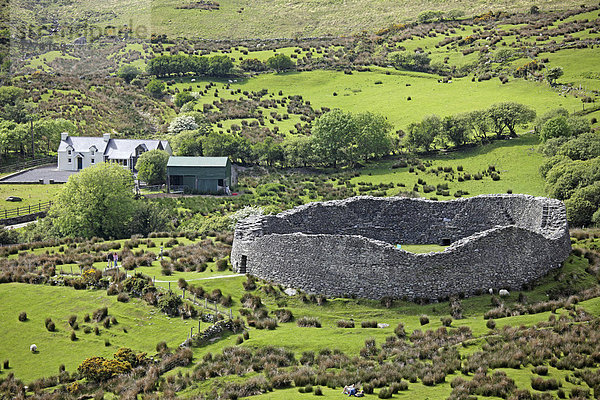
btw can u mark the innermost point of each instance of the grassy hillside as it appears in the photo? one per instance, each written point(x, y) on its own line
point(249, 18)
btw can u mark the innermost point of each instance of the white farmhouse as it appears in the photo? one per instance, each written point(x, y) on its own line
point(79, 152)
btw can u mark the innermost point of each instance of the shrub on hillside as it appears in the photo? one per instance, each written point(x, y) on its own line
point(399, 331)
point(50, 325)
point(343, 323)
point(309, 322)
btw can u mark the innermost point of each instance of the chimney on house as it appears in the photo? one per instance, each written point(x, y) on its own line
point(106, 137)
point(64, 136)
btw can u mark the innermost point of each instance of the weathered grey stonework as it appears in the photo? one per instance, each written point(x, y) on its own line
point(348, 247)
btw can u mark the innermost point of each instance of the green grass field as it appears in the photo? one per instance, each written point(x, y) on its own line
point(140, 327)
point(32, 195)
point(359, 92)
point(516, 160)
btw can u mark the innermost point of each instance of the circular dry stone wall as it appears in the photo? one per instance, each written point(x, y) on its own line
point(350, 247)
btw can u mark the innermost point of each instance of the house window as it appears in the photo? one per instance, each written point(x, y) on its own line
point(93, 161)
point(69, 161)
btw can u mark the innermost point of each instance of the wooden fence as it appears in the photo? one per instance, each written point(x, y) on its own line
point(25, 210)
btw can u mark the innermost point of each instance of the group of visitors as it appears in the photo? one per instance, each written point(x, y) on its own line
point(353, 391)
point(110, 258)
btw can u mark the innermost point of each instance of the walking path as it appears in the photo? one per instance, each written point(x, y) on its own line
point(17, 226)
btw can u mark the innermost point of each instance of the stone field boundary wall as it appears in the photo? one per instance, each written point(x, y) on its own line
point(348, 247)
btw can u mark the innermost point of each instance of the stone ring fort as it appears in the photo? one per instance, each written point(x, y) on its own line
point(349, 247)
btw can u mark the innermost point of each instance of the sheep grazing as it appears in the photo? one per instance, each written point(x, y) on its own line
point(503, 293)
point(33, 348)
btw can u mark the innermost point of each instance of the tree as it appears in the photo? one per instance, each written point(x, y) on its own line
point(280, 63)
point(409, 60)
point(152, 167)
point(583, 204)
point(128, 72)
point(148, 218)
point(221, 144)
point(183, 97)
point(182, 123)
point(187, 143)
point(48, 131)
point(578, 125)
point(220, 66)
point(553, 74)
point(508, 115)
point(567, 177)
point(422, 134)
point(554, 128)
point(479, 123)
point(97, 201)
point(429, 16)
point(299, 151)
point(456, 129)
point(373, 136)
point(268, 151)
point(252, 64)
point(156, 88)
point(332, 134)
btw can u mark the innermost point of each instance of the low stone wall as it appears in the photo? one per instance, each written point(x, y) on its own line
point(344, 248)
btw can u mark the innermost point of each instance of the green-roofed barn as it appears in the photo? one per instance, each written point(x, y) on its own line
point(205, 175)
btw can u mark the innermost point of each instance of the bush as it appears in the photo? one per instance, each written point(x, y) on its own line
point(399, 331)
point(100, 314)
point(123, 297)
point(424, 320)
point(368, 324)
point(161, 347)
point(542, 384)
point(50, 325)
point(343, 323)
point(284, 315)
point(309, 322)
point(541, 370)
point(23, 316)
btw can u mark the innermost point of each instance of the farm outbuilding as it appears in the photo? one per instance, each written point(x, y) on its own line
point(204, 175)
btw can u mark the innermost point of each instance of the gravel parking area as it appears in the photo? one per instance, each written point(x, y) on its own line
point(34, 175)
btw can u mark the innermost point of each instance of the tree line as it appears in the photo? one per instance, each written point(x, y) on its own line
point(167, 65)
point(500, 119)
point(338, 138)
point(572, 169)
